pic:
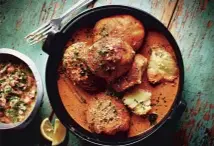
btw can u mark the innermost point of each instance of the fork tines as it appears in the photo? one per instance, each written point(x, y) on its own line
point(40, 34)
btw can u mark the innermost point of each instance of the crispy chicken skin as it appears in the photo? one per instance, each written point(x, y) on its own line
point(107, 115)
point(134, 76)
point(76, 68)
point(162, 65)
point(125, 27)
point(109, 58)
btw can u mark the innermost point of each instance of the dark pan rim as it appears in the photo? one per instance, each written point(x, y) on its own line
point(62, 113)
point(40, 90)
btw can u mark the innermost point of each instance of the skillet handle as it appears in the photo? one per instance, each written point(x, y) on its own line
point(178, 111)
point(53, 41)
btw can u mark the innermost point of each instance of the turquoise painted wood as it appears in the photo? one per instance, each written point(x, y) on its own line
point(192, 25)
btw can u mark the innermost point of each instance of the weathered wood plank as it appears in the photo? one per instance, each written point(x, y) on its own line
point(192, 26)
point(162, 10)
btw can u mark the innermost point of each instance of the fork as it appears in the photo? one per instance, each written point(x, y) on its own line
point(54, 25)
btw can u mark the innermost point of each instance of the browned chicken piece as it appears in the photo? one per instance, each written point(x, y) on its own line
point(134, 76)
point(109, 58)
point(76, 68)
point(162, 65)
point(125, 27)
point(107, 115)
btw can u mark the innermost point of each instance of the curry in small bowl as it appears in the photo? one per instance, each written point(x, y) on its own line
point(21, 89)
point(17, 92)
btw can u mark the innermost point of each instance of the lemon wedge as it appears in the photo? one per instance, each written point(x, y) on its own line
point(54, 134)
point(59, 133)
point(46, 129)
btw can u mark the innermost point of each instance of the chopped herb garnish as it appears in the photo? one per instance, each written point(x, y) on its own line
point(9, 98)
point(2, 80)
point(152, 118)
point(11, 113)
point(7, 89)
point(104, 32)
point(136, 100)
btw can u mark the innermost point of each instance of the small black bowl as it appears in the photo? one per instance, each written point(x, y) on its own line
point(54, 46)
point(9, 55)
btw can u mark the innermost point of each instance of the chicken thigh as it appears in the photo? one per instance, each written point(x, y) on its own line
point(76, 68)
point(109, 58)
point(126, 27)
point(107, 115)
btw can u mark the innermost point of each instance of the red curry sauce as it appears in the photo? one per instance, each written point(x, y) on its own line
point(163, 95)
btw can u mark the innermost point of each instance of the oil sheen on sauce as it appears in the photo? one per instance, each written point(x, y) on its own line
point(163, 95)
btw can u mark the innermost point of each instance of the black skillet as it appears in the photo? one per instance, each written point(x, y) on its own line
point(54, 46)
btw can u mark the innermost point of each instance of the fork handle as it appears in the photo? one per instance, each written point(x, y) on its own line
point(75, 7)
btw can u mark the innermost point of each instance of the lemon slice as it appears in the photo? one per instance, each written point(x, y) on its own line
point(59, 133)
point(46, 129)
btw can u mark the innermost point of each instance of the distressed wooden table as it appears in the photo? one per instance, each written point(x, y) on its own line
point(190, 21)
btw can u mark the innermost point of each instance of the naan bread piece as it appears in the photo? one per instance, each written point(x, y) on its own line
point(162, 66)
point(126, 27)
point(134, 76)
point(138, 100)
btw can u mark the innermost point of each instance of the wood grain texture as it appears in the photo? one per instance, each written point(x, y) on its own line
point(161, 9)
point(192, 27)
